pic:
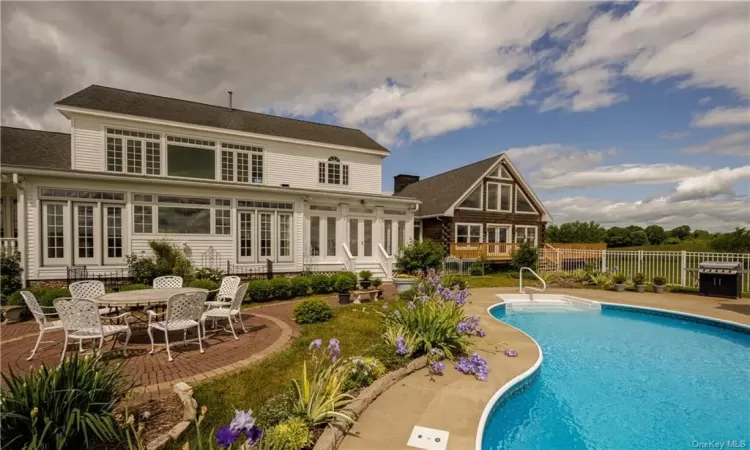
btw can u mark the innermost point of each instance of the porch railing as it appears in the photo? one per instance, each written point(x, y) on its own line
point(386, 261)
point(497, 251)
point(9, 245)
point(350, 263)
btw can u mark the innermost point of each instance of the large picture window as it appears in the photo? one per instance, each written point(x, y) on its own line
point(473, 200)
point(184, 220)
point(523, 205)
point(468, 232)
point(136, 152)
point(190, 162)
point(498, 197)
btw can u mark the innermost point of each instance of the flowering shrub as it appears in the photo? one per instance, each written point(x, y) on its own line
point(292, 434)
point(319, 395)
point(473, 365)
point(359, 372)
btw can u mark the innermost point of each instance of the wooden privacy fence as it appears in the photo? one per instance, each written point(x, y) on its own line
point(679, 268)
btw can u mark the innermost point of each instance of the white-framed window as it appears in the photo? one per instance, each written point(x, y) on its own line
point(499, 197)
point(54, 218)
point(284, 234)
point(500, 172)
point(417, 230)
point(473, 200)
point(331, 236)
point(401, 234)
point(523, 205)
point(191, 158)
point(468, 232)
point(263, 235)
point(497, 234)
point(333, 172)
point(132, 151)
point(322, 233)
point(241, 163)
point(245, 236)
point(222, 216)
point(82, 227)
point(526, 233)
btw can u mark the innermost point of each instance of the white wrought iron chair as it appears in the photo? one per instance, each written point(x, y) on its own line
point(183, 312)
point(228, 311)
point(40, 317)
point(89, 289)
point(225, 293)
point(81, 320)
point(168, 282)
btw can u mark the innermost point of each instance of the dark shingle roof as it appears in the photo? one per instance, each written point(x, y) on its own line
point(439, 192)
point(34, 148)
point(120, 101)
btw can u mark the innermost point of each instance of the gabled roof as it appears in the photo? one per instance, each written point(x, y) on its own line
point(34, 148)
point(438, 193)
point(131, 103)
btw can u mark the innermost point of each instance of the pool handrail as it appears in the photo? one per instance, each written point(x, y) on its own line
point(522, 289)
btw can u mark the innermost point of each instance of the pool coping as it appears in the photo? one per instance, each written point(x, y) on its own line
point(521, 381)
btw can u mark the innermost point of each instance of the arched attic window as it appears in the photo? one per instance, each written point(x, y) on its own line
point(333, 172)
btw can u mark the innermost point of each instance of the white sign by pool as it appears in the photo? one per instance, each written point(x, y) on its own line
point(428, 438)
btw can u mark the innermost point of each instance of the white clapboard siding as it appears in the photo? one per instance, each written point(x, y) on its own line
point(284, 163)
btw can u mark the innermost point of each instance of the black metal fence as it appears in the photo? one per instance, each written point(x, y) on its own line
point(251, 273)
point(112, 280)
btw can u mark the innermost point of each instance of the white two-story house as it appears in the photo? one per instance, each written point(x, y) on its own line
point(233, 188)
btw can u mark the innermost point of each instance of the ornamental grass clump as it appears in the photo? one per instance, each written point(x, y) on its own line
point(319, 393)
point(66, 406)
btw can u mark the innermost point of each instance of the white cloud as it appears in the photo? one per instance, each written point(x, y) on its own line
point(662, 173)
point(737, 144)
point(710, 214)
point(723, 117)
point(704, 101)
point(657, 41)
point(709, 185)
point(50, 120)
point(566, 157)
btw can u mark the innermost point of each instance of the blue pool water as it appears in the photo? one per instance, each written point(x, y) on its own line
point(622, 380)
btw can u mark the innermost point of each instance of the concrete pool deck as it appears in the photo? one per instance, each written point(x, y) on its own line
point(454, 402)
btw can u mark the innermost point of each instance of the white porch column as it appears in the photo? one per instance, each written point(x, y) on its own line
point(378, 235)
point(409, 231)
point(21, 217)
point(342, 229)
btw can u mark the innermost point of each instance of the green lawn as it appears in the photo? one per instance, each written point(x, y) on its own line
point(503, 279)
point(358, 331)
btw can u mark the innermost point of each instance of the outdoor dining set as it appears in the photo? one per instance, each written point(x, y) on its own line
point(90, 313)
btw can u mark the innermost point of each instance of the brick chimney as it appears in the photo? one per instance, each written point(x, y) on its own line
point(401, 181)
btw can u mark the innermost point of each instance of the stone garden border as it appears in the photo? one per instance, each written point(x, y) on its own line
point(333, 435)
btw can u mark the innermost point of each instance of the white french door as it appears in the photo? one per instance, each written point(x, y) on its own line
point(498, 238)
point(114, 241)
point(85, 238)
point(263, 235)
point(360, 237)
point(245, 251)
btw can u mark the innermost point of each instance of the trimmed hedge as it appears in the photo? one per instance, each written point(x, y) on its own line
point(282, 288)
point(322, 284)
point(300, 286)
point(312, 310)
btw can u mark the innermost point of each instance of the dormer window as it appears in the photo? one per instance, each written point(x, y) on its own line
point(333, 172)
point(133, 152)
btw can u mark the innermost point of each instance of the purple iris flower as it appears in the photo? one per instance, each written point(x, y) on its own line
point(315, 344)
point(474, 365)
point(401, 348)
point(253, 436)
point(226, 437)
point(437, 367)
point(481, 333)
point(333, 349)
point(242, 421)
point(410, 305)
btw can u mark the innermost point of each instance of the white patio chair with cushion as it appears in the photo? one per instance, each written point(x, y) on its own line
point(225, 293)
point(168, 282)
point(89, 289)
point(81, 320)
point(227, 312)
point(40, 317)
point(183, 312)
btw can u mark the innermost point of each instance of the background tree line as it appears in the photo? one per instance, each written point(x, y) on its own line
point(737, 241)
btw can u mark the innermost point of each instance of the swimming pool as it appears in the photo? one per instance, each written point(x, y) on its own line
point(618, 378)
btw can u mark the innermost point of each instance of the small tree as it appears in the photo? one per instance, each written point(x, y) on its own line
point(423, 255)
point(527, 255)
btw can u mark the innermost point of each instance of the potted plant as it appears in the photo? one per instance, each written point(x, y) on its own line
point(404, 282)
point(365, 279)
point(376, 283)
point(639, 280)
point(344, 283)
point(659, 284)
point(12, 313)
point(619, 280)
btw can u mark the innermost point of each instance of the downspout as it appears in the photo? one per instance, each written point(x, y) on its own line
point(21, 218)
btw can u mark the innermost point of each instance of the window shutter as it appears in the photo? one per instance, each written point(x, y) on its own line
point(345, 176)
point(321, 172)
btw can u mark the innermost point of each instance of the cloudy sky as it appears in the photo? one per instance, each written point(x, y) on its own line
point(627, 113)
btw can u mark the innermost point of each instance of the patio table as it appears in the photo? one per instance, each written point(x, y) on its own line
point(141, 299)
